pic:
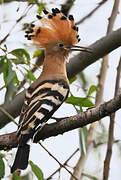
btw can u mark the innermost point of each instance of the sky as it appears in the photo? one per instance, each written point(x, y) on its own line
point(63, 146)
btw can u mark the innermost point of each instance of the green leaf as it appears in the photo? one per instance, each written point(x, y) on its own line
point(17, 61)
point(16, 81)
point(92, 89)
point(2, 58)
point(16, 176)
point(10, 75)
point(2, 155)
point(40, 7)
point(9, 78)
point(37, 53)
point(2, 168)
point(5, 72)
point(22, 55)
point(78, 101)
point(36, 170)
point(86, 102)
point(82, 139)
point(10, 90)
point(73, 79)
point(30, 75)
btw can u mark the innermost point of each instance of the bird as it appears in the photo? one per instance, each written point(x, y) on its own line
point(58, 36)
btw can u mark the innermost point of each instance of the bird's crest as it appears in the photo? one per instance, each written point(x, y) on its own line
point(56, 28)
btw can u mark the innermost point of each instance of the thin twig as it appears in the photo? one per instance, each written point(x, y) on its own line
point(37, 64)
point(111, 129)
point(65, 8)
point(58, 161)
point(117, 87)
point(64, 164)
point(92, 12)
point(99, 97)
point(112, 116)
point(17, 21)
point(8, 115)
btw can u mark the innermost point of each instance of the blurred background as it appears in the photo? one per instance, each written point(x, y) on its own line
point(21, 64)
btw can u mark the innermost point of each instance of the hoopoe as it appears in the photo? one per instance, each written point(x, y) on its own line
point(58, 36)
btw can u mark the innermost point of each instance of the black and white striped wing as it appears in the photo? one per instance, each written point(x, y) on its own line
point(39, 105)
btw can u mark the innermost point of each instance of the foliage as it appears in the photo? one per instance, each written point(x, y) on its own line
point(16, 176)
point(37, 53)
point(82, 102)
point(9, 63)
point(2, 166)
point(36, 170)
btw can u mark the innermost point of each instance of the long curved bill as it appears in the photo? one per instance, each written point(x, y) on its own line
point(79, 48)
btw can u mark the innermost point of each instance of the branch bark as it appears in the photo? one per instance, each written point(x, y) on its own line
point(107, 160)
point(9, 141)
point(111, 129)
point(99, 49)
point(13, 108)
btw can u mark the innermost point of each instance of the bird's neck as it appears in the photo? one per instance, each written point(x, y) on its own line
point(54, 67)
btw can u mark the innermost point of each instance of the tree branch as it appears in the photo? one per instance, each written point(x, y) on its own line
point(107, 160)
point(99, 49)
point(13, 108)
point(112, 116)
point(64, 164)
point(99, 99)
point(61, 165)
point(8, 141)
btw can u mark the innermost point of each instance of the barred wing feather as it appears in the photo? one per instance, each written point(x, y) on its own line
point(39, 105)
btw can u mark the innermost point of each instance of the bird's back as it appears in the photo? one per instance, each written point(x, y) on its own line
point(39, 105)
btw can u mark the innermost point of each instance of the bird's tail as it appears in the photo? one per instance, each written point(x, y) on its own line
point(21, 159)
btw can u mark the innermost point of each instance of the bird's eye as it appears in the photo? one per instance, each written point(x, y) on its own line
point(60, 45)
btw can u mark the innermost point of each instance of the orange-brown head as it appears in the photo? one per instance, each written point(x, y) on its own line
point(58, 34)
